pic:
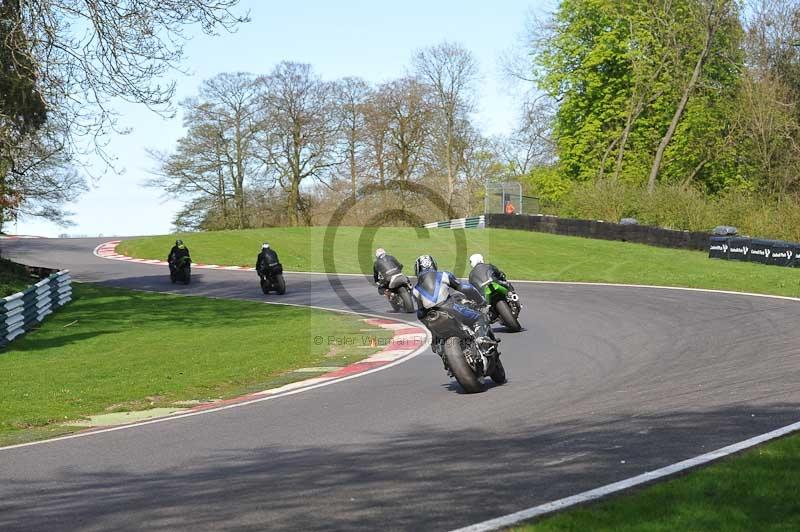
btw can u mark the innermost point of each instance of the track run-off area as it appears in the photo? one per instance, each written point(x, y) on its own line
point(605, 383)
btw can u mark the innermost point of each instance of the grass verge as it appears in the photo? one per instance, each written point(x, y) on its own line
point(752, 491)
point(522, 254)
point(113, 350)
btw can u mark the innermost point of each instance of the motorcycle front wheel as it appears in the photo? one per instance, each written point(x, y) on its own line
point(499, 373)
point(458, 365)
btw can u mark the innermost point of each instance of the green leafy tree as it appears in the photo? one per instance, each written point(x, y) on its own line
point(641, 87)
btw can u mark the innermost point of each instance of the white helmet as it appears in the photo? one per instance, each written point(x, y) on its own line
point(265, 246)
point(380, 252)
point(475, 259)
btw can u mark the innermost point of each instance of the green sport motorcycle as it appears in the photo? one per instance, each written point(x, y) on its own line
point(503, 303)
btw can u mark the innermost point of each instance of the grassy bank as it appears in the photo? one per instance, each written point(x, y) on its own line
point(522, 254)
point(116, 350)
point(753, 491)
point(13, 278)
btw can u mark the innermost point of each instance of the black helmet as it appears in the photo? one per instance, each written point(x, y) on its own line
point(424, 263)
point(179, 242)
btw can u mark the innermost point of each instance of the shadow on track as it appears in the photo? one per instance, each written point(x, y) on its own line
point(367, 487)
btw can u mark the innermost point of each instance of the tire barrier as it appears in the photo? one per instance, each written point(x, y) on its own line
point(771, 252)
point(22, 311)
point(472, 222)
point(641, 234)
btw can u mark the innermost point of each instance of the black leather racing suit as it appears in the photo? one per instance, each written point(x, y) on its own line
point(383, 270)
point(483, 273)
point(175, 254)
point(266, 260)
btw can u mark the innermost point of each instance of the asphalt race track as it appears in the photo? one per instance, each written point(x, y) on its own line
point(604, 383)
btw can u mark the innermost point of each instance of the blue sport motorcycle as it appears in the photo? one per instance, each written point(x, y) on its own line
point(464, 340)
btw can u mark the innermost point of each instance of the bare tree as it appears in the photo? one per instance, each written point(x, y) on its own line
point(352, 95)
point(481, 164)
point(196, 170)
point(451, 71)
point(531, 143)
point(218, 155)
point(231, 101)
point(301, 126)
point(376, 131)
point(408, 109)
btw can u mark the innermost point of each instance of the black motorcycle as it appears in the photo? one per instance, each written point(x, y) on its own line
point(272, 279)
point(181, 271)
point(398, 292)
point(504, 304)
point(465, 343)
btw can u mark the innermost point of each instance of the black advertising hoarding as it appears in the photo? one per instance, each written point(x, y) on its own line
point(772, 252)
point(718, 247)
point(781, 254)
point(739, 248)
point(760, 250)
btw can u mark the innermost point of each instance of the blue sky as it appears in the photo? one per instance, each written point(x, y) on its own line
point(372, 40)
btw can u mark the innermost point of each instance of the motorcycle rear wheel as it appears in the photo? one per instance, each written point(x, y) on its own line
point(458, 365)
point(405, 296)
point(507, 316)
point(280, 284)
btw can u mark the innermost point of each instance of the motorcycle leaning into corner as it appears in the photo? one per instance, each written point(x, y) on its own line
point(504, 304)
point(393, 284)
point(398, 292)
point(462, 335)
point(500, 296)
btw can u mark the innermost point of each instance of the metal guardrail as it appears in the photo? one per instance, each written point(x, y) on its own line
point(22, 311)
point(472, 222)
